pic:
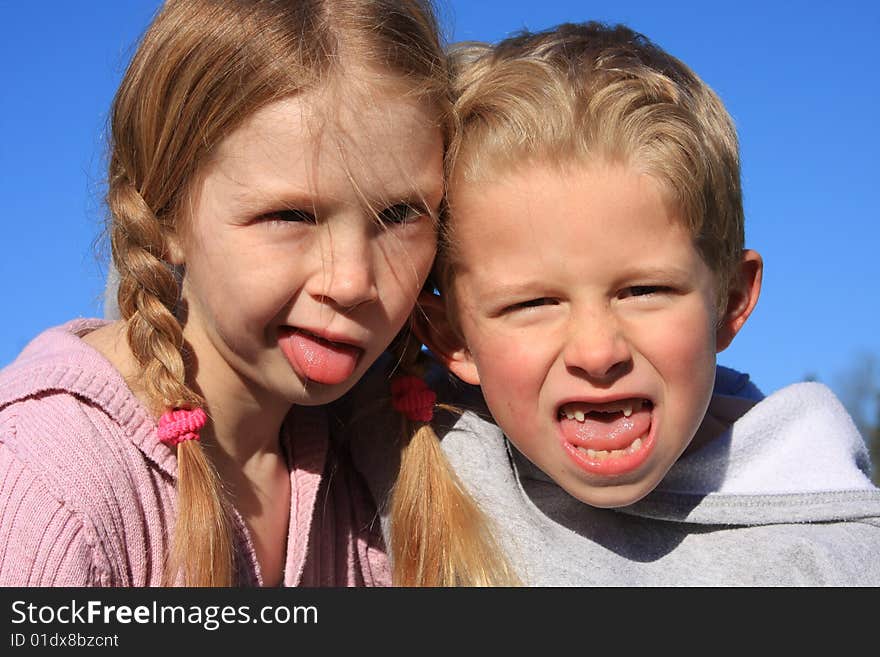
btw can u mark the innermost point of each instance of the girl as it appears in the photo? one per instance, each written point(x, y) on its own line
point(275, 173)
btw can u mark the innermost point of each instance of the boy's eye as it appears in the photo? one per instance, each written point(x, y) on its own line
point(291, 216)
point(644, 290)
point(532, 303)
point(402, 213)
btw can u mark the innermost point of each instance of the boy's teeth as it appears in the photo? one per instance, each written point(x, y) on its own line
point(602, 454)
point(574, 412)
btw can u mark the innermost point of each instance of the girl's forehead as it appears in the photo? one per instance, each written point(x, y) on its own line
point(327, 119)
point(304, 145)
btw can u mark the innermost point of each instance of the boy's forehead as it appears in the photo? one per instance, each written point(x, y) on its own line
point(475, 177)
point(522, 215)
point(471, 177)
point(580, 229)
point(532, 197)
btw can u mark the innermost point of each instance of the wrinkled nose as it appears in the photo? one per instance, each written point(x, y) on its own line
point(597, 348)
point(347, 273)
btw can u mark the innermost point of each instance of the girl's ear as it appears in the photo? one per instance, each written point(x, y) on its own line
point(741, 298)
point(434, 329)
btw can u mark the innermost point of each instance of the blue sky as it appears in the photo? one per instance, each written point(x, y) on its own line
point(800, 79)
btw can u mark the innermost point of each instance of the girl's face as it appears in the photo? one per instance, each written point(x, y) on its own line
point(308, 241)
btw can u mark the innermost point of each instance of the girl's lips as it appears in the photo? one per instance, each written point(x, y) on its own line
point(317, 359)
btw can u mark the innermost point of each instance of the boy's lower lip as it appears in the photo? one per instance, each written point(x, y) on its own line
point(617, 462)
point(317, 359)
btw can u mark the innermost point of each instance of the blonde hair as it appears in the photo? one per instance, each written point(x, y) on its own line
point(440, 536)
point(582, 92)
point(201, 69)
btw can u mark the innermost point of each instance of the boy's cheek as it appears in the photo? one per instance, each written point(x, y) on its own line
point(687, 347)
point(687, 366)
point(504, 353)
point(510, 377)
point(684, 340)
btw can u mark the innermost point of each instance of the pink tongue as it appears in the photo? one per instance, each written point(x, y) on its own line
point(607, 430)
point(318, 360)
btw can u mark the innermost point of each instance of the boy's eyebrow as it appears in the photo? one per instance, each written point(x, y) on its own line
point(651, 271)
point(648, 271)
point(511, 289)
point(646, 274)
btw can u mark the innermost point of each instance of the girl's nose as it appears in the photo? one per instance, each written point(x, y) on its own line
point(347, 274)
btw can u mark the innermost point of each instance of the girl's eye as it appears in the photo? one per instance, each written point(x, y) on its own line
point(290, 216)
point(402, 213)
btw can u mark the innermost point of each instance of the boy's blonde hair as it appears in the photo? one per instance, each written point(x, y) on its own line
point(201, 69)
point(581, 93)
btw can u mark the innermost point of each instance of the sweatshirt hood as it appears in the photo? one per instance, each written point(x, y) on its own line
point(794, 456)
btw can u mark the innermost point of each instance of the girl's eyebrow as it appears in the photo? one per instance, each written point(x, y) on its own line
point(248, 199)
point(428, 190)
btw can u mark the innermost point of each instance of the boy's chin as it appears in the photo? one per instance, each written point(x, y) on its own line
point(612, 495)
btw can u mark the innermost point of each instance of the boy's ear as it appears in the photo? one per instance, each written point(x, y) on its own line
point(174, 249)
point(434, 329)
point(741, 298)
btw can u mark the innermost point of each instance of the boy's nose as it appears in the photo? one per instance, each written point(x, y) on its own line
point(597, 348)
point(347, 272)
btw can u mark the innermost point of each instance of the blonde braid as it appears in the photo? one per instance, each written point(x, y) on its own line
point(147, 295)
point(439, 535)
point(201, 553)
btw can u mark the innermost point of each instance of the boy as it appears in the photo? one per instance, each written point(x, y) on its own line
point(593, 267)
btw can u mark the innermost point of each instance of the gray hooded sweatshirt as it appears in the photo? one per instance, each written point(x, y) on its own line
point(780, 497)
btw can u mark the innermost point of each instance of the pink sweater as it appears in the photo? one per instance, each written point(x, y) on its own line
point(87, 491)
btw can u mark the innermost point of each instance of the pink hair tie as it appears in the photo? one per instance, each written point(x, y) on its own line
point(181, 424)
point(412, 397)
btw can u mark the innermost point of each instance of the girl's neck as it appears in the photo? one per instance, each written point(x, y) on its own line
point(241, 426)
point(243, 432)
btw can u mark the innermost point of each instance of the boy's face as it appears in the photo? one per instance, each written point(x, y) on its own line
point(589, 320)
